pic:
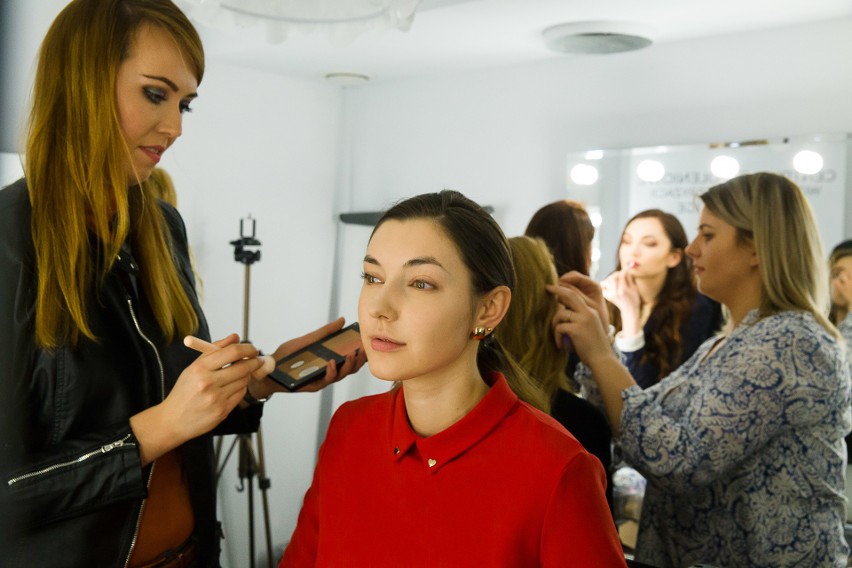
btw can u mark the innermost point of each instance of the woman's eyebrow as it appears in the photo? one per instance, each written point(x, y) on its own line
point(170, 83)
point(421, 260)
point(417, 261)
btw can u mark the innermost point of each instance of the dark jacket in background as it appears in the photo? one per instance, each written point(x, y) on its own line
point(704, 321)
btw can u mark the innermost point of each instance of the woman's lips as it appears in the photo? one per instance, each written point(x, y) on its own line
point(632, 264)
point(384, 344)
point(153, 152)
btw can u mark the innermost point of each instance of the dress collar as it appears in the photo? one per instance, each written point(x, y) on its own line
point(439, 449)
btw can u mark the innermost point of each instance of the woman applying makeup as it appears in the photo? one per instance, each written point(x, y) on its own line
point(106, 418)
point(661, 318)
point(742, 445)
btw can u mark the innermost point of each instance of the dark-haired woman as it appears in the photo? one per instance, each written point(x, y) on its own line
point(459, 465)
point(567, 230)
point(661, 318)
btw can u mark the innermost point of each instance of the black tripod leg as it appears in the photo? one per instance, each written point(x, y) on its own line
point(264, 483)
point(246, 470)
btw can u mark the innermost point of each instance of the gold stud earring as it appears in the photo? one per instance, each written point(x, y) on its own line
point(479, 332)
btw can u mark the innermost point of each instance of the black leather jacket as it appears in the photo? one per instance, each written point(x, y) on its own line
point(72, 485)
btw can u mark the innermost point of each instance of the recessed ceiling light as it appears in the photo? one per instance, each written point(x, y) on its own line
point(597, 37)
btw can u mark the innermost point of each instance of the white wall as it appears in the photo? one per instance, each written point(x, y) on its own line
point(502, 136)
point(294, 153)
point(268, 146)
point(256, 144)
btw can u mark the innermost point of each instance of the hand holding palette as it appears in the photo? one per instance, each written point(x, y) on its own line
point(308, 364)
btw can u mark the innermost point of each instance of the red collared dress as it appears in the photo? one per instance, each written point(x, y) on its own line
point(505, 486)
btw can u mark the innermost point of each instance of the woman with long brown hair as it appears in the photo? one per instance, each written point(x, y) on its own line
point(567, 230)
point(457, 465)
point(659, 315)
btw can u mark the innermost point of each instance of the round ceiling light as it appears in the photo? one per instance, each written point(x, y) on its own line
point(599, 37)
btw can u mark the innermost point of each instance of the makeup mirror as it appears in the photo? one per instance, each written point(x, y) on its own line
point(616, 184)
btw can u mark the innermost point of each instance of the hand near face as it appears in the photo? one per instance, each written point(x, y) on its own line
point(579, 318)
point(590, 289)
point(620, 289)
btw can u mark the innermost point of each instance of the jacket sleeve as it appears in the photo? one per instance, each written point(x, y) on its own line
point(42, 485)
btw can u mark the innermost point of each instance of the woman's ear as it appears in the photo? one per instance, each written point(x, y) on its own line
point(675, 258)
point(493, 307)
point(748, 245)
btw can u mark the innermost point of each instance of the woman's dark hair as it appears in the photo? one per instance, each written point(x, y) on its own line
point(485, 252)
point(842, 250)
point(664, 347)
point(568, 232)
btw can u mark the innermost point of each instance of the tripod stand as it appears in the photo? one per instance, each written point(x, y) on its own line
point(249, 463)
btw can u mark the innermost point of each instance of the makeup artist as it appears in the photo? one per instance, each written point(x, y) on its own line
point(105, 416)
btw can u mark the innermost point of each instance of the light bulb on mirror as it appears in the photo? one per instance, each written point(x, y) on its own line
point(724, 167)
point(650, 170)
point(584, 174)
point(808, 162)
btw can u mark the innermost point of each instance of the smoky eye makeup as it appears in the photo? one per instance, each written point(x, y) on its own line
point(154, 95)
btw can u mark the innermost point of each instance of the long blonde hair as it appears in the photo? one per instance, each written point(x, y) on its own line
point(77, 185)
point(772, 213)
point(525, 332)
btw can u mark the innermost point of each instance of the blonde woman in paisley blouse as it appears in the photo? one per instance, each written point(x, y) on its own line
point(743, 444)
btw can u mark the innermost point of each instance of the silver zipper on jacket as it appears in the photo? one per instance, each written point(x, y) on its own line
point(139, 518)
point(162, 396)
point(102, 450)
point(154, 347)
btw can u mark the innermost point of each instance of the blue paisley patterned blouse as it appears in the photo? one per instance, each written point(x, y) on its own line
point(845, 328)
point(744, 450)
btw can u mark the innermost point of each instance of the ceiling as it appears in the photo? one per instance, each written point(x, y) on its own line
point(457, 35)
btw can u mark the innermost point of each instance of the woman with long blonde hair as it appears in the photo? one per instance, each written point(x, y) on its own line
point(106, 416)
point(526, 335)
point(742, 445)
